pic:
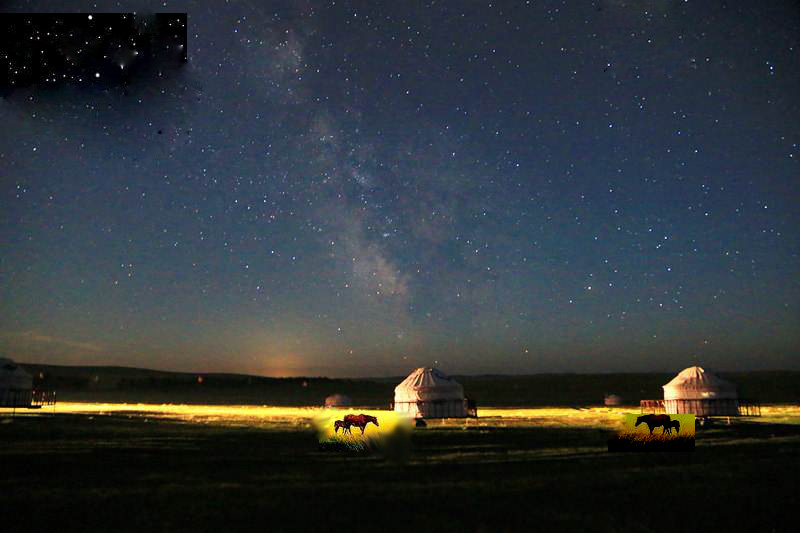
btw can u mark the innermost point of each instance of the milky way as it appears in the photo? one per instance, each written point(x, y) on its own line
point(353, 188)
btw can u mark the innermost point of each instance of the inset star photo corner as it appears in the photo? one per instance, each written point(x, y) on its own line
point(105, 51)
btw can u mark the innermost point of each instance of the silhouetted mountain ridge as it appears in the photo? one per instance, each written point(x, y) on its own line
point(140, 385)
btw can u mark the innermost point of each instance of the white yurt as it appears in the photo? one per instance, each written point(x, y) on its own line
point(16, 385)
point(338, 400)
point(699, 392)
point(430, 393)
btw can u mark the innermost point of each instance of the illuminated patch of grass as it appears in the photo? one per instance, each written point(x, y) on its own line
point(335, 444)
point(640, 441)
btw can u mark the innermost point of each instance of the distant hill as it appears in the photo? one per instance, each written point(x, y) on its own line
point(138, 385)
point(590, 389)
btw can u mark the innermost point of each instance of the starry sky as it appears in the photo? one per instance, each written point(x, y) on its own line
point(360, 188)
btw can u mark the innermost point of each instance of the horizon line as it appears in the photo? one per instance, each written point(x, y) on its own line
point(310, 376)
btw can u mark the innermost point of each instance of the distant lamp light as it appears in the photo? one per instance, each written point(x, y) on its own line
point(199, 379)
point(305, 383)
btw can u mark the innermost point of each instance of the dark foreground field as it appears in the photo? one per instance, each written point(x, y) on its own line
point(120, 473)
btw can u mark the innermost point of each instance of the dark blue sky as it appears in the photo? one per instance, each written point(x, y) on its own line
point(360, 188)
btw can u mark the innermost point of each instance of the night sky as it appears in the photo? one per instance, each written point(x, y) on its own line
point(361, 188)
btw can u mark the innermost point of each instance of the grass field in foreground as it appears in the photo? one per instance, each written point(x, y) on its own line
point(300, 417)
point(168, 468)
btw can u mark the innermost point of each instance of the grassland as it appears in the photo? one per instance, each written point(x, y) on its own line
point(226, 468)
point(637, 442)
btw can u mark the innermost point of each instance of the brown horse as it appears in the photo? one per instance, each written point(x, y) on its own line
point(360, 421)
point(341, 424)
point(654, 421)
point(672, 424)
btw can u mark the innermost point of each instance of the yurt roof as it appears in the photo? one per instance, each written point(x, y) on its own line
point(338, 399)
point(697, 383)
point(13, 376)
point(428, 384)
point(338, 396)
